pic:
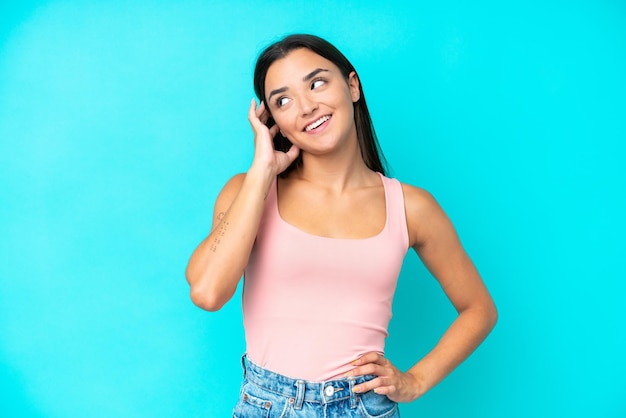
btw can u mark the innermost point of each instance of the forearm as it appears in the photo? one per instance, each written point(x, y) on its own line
point(463, 336)
point(216, 266)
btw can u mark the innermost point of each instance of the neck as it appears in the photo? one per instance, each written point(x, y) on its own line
point(336, 171)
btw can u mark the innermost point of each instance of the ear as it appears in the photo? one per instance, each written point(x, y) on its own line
point(353, 83)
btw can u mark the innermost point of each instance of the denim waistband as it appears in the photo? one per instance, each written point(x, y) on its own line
point(299, 390)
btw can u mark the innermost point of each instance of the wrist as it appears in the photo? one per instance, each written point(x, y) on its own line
point(419, 385)
point(259, 178)
point(261, 171)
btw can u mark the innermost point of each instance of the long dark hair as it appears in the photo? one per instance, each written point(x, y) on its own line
point(368, 142)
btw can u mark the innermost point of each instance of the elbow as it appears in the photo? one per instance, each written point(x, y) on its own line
point(209, 295)
point(491, 315)
point(484, 314)
point(210, 290)
point(206, 300)
point(201, 293)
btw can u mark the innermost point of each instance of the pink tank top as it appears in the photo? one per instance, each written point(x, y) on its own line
point(312, 304)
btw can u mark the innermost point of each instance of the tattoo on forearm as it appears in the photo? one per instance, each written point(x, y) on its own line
point(219, 233)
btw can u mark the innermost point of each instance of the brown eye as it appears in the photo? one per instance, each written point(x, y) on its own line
point(318, 82)
point(281, 101)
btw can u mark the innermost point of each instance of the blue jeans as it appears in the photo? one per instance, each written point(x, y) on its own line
point(265, 394)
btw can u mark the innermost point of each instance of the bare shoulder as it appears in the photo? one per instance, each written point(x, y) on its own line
point(418, 201)
point(233, 185)
point(424, 215)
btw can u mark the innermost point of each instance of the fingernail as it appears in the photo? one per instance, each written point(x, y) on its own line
point(376, 390)
point(356, 389)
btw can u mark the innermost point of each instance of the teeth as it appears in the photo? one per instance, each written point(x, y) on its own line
point(317, 123)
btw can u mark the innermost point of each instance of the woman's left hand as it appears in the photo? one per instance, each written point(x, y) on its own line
point(397, 385)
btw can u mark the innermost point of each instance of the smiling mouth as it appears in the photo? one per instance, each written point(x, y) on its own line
point(317, 123)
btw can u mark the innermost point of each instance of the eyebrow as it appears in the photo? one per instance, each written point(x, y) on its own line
point(304, 80)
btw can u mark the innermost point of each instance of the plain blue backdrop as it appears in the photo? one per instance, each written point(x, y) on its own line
point(121, 120)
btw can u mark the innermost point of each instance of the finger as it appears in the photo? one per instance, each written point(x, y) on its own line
point(285, 159)
point(385, 390)
point(292, 154)
point(252, 111)
point(260, 110)
point(378, 385)
point(371, 357)
point(274, 130)
point(253, 118)
point(264, 114)
point(369, 368)
point(367, 386)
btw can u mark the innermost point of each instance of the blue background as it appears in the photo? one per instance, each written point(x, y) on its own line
point(121, 120)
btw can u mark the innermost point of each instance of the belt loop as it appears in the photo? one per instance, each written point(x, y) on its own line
point(300, 387)
point(353, 396)
point(243, 364)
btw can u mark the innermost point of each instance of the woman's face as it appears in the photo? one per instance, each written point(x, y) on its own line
point(311, 101)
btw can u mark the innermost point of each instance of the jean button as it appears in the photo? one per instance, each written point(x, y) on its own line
point(329, 391)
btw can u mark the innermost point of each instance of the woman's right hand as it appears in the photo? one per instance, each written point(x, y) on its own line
point(265, 156)
point(218, 263)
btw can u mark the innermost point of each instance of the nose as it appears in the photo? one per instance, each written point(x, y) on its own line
point(307, 104)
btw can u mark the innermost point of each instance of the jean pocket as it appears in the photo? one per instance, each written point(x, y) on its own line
point(250, 406)
point(373, 405)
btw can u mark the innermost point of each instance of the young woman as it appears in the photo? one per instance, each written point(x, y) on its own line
point(319, 233)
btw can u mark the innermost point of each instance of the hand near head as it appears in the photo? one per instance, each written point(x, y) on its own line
point(265, 156)
point(398, 386)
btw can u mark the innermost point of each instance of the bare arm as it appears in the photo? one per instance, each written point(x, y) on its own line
point(434, 238)
point(217, 264)
point(436, 242)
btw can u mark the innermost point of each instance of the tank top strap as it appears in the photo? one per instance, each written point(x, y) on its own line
point(396, 213)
